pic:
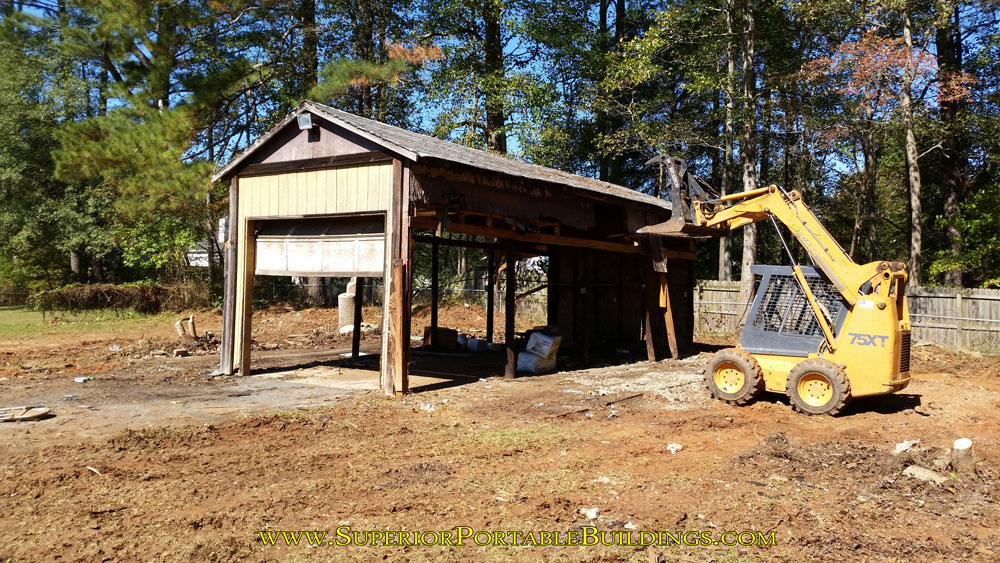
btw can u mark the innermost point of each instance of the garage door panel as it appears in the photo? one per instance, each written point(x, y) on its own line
point(345, 257)
point(340, 255)
point(333, 247)
point(305, 256)
point(271, 256)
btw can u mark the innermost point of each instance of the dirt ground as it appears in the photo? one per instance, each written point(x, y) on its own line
point(157, 459)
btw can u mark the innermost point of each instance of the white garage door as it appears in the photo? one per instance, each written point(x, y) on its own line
point(340, 247)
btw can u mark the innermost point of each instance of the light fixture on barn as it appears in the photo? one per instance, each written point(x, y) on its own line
point(305, 121)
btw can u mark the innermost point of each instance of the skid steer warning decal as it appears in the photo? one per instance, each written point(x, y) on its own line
point(873, 340)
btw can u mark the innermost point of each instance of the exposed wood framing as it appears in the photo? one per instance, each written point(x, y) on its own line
point(588, 307)
point(653, 318)
point(435, 282)
point(491, 266)
point(668, 315)
point(493, 232)
point(510, 369)
point(530, 292)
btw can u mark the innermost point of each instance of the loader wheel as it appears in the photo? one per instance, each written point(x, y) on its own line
point(734, 377)
point(818, 386)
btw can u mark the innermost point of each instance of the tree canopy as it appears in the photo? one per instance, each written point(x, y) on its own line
point(886, 114)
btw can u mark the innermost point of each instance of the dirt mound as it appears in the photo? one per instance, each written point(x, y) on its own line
point(424, 473)
point(163, 437)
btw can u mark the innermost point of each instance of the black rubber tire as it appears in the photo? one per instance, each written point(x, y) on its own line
point(753, 378)
point(834, 373)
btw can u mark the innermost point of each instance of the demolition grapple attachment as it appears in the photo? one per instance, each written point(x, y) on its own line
point(685, 190)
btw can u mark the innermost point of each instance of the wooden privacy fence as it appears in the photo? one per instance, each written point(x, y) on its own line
point(950, 317)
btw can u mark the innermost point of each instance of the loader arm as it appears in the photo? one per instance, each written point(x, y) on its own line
point(716, 217)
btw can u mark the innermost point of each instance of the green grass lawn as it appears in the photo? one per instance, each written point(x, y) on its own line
point(17, 321)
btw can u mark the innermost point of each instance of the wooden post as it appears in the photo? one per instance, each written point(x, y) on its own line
point(647, 320)
point(510, 370)
point(229, 289)
point(359, 299)
point(654, 319)
point(435, 277)
point(249, 265)
point(396, 303)
point(668, 316)
point(397, 342)
point(588, 300)
point(491, 266)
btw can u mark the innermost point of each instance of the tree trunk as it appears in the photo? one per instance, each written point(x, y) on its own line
point(871, 178)
point(725, 258)
point(859, 210)
point(496, 137)
point(912, 166)
point(954, 160)
point(310, 46)
point(748, 144)
point(601, 119)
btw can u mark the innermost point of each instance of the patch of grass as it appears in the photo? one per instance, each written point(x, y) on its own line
point(519, 438)
point(556, 482)
point(17, 321)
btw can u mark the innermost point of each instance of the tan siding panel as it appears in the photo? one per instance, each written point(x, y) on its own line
point(385, 187)
point(282, 194)
point(320, 192)
point(274, 191)
point(341, 177)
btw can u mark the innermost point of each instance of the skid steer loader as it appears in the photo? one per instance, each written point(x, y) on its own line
point(822, 334)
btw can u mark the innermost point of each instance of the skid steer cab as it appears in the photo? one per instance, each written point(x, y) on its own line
point(822, 333)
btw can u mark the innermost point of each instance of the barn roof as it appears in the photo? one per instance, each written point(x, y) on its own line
point(416, 147)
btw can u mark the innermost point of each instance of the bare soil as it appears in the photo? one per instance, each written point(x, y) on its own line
point(156, 459)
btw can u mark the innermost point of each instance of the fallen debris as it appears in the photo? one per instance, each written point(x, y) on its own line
point(22, 414)
point(674, 448)
point(924, 474)
point(905, 446)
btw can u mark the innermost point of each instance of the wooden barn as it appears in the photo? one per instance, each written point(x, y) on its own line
point(328, 193)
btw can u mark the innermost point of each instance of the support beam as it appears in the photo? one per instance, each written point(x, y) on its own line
point(249, 252)
point(491, 277)
point(588, 307)
point(656, 332)
point(429, 223)
point(435, 288)
point(397, 340)
point(395, 323)
point(229, 291)
point(668, 316)
point(359, 299)
point(648, 335)
point(454, 242)
point(510, 370)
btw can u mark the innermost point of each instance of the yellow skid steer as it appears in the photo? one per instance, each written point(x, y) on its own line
point(822, 334)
